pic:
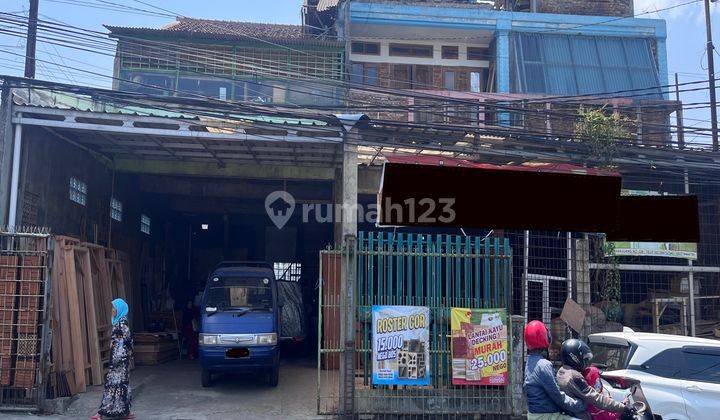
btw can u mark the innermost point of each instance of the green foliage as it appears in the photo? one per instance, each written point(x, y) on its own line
point(601, 132)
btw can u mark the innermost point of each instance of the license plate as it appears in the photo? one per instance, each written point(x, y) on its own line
point(237, 353)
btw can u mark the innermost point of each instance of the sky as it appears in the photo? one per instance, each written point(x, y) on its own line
point(685, 42)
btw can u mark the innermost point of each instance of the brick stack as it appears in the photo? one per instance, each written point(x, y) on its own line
point(8, 290)
point(28, 348)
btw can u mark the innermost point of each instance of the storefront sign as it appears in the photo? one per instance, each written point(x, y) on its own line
point(479, 346)
point(401, 345)
point(651, 249)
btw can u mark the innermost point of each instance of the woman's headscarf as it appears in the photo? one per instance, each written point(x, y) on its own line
point(121, 310)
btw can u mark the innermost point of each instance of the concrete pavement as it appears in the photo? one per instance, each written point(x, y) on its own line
point(172, 392)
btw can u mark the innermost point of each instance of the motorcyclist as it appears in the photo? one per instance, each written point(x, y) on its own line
point(576, 356)
point(544, 399)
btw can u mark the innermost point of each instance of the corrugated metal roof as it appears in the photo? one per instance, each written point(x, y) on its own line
point(226, 30)
point(324, 5)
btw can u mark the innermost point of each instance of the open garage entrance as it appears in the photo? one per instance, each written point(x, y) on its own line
point(179, 196)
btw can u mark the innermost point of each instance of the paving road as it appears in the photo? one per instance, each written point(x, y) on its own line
point(172, 392)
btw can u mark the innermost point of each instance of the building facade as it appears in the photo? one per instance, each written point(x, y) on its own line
point(241, 61)
point(503, 52)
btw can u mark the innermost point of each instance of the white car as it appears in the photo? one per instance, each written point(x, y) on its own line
point(679, 375)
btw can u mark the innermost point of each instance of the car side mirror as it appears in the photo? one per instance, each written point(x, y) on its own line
point(210, 309)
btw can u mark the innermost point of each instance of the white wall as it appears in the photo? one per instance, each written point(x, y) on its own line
point(436, 60)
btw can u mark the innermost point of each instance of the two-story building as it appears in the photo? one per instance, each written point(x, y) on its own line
point(241, 61)
point(510, 52)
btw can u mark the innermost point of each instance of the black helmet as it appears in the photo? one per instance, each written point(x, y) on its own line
point(575, 354)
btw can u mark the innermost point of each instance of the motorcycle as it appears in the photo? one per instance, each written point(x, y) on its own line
point(635, 395)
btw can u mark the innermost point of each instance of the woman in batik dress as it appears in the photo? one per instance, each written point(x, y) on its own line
point(116, 398)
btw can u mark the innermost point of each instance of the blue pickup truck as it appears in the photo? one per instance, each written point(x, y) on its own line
point(240, 321)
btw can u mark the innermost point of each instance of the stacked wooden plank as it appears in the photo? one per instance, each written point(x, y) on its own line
point(154, 348)
point(87, 277)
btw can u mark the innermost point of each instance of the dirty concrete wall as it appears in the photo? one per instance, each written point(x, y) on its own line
point(587, 7)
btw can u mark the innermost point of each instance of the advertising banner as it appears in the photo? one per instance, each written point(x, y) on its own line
point(479, 346)
point(651, 249)
point(401, 345)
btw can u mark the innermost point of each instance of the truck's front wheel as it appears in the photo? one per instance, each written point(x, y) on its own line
point(274, 376)
point(206, 378)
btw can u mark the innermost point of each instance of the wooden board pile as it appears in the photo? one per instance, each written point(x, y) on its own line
point(86, 278)
point(154, 348)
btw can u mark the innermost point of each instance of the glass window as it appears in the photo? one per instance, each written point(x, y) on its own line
point(287, 271)
point(78, 191)
point(192, 87)
point(240, 292)
point(667, 364)
point(421, 77)
point(259, 92)
point(411, 50)
point(371, 75)
point(145, 224)
point(450, 52)
point(475, 82)
point(610, 356)
point(702, 365)
point(150, 83)
point(371, 48)
point(116, 209)
point(449, 80)
point(401, 76)
point(356, 73)
point(477, 53)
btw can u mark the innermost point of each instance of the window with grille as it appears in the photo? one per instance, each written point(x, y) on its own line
point(450, 52)
point(116, 209)
point(145, 224)
point(477, 53)
point(449, 80)
point(287, 271)
point(370, 48)
point(411, 50)
point(78, 191)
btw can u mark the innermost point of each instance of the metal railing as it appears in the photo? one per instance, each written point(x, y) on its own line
point(24, 331)
point(439, 272)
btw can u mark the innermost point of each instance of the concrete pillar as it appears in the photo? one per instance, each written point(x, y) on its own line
point(6, 151)
point(348, 263)
point(581, 279)
point(349, 187)
point(517, 365)
point(502, 57)
point(502, 64)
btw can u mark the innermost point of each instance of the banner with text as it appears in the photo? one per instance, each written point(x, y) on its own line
point(479, 346)
point(401, 345)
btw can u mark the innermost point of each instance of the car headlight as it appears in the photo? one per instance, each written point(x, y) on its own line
point(267, 339)
point(208, 339)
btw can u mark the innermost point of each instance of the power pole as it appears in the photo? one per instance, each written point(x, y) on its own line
point(31, 40)
point(711, 77)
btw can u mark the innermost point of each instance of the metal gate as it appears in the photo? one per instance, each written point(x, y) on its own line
point(437, 271)
point(24, 330)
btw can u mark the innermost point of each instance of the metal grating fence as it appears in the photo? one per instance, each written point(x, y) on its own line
point(24, 329)
point(438, 272)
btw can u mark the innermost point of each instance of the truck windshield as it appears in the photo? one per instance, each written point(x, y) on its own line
point(227, 293)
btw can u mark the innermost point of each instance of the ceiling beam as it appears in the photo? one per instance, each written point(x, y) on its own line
point(230, 170)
